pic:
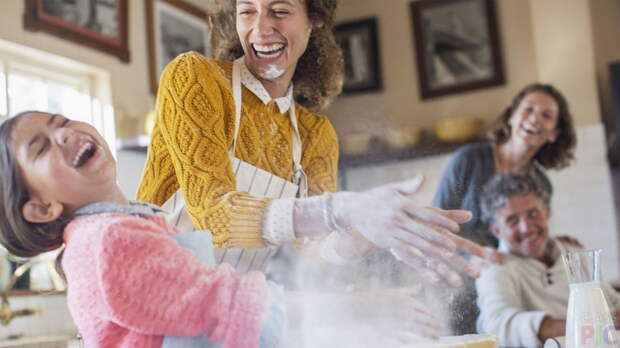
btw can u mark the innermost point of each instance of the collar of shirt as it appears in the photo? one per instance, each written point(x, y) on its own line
point(140, 209)
point(255, 86)
point(133, 208)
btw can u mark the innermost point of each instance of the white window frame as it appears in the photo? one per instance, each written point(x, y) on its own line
point(92, 81)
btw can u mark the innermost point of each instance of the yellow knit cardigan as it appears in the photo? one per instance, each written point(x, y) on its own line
point(190, 141)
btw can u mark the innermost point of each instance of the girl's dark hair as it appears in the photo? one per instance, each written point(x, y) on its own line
point(555, 155)
point(320, 70)
point(20, 237)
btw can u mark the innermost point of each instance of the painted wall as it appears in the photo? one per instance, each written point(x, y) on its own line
point(606, 33)
point(536, 46)
point(565, 53)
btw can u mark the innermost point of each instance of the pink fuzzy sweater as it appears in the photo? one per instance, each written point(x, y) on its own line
point(129, 284)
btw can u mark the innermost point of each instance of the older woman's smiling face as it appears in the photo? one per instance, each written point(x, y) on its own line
point(534, 122)
point(274, 34)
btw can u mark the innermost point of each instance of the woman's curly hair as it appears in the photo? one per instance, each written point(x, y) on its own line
point(320, 70)
point(555, 155)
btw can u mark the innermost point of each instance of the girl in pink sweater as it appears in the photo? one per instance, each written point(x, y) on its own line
point(129, 283)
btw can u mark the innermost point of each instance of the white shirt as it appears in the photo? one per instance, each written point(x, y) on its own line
point(515, 297)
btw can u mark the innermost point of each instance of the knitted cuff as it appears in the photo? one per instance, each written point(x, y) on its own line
point(278, 222)
point(245, 222)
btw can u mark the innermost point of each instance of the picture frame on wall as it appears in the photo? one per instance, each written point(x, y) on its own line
point(174, 27)
point(99, 24)
point(359, 43)
point(457, 46)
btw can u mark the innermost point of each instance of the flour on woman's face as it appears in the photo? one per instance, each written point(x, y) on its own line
point(271, 72)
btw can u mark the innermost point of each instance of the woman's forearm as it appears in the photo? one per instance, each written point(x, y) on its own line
point(308, 217)
point(290, 218)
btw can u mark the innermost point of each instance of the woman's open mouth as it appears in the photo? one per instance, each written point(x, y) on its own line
point(529, 129)
point(268, 51)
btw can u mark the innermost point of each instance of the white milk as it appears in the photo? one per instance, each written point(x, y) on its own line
point(588, 322)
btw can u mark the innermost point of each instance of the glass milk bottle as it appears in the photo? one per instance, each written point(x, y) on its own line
point(588, 320)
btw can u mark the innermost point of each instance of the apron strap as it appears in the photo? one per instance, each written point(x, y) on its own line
point(299, 176)
point(236, 87)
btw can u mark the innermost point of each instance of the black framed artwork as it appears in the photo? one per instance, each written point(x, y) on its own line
point(174, 27)
point(457, 46)
point(359, 43)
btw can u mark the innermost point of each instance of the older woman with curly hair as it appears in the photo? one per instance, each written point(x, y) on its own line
point(228, 130)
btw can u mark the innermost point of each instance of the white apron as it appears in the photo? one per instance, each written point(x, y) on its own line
point(255, 181)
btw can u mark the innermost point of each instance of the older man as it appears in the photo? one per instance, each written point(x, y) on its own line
point(524, 301)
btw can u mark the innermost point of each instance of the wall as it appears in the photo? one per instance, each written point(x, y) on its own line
point(130, 82)
point(565, 53)
point(531, 44)
point(606, 30)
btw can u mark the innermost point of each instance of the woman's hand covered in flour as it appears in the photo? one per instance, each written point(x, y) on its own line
point(418, 236)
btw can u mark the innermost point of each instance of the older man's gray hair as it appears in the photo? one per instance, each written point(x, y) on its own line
point(502, 187)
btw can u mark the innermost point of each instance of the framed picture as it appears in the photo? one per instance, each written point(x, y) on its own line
point(457, 46)
point(358, 40)
point(174, 27)
point(100, 24)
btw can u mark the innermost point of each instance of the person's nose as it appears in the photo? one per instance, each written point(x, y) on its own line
point(62, 135)
point(524, 225)
point(535, 116)
point(264, 24)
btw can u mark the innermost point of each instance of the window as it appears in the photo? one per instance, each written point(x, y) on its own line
point(45, 82)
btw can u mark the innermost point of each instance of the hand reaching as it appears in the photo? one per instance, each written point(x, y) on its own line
point(419, 236)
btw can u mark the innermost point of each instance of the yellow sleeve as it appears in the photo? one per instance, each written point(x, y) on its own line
point(189, 149)
point(320, 153)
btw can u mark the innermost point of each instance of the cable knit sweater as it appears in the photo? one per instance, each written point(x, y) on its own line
point(129, 283)
point(190, 141)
